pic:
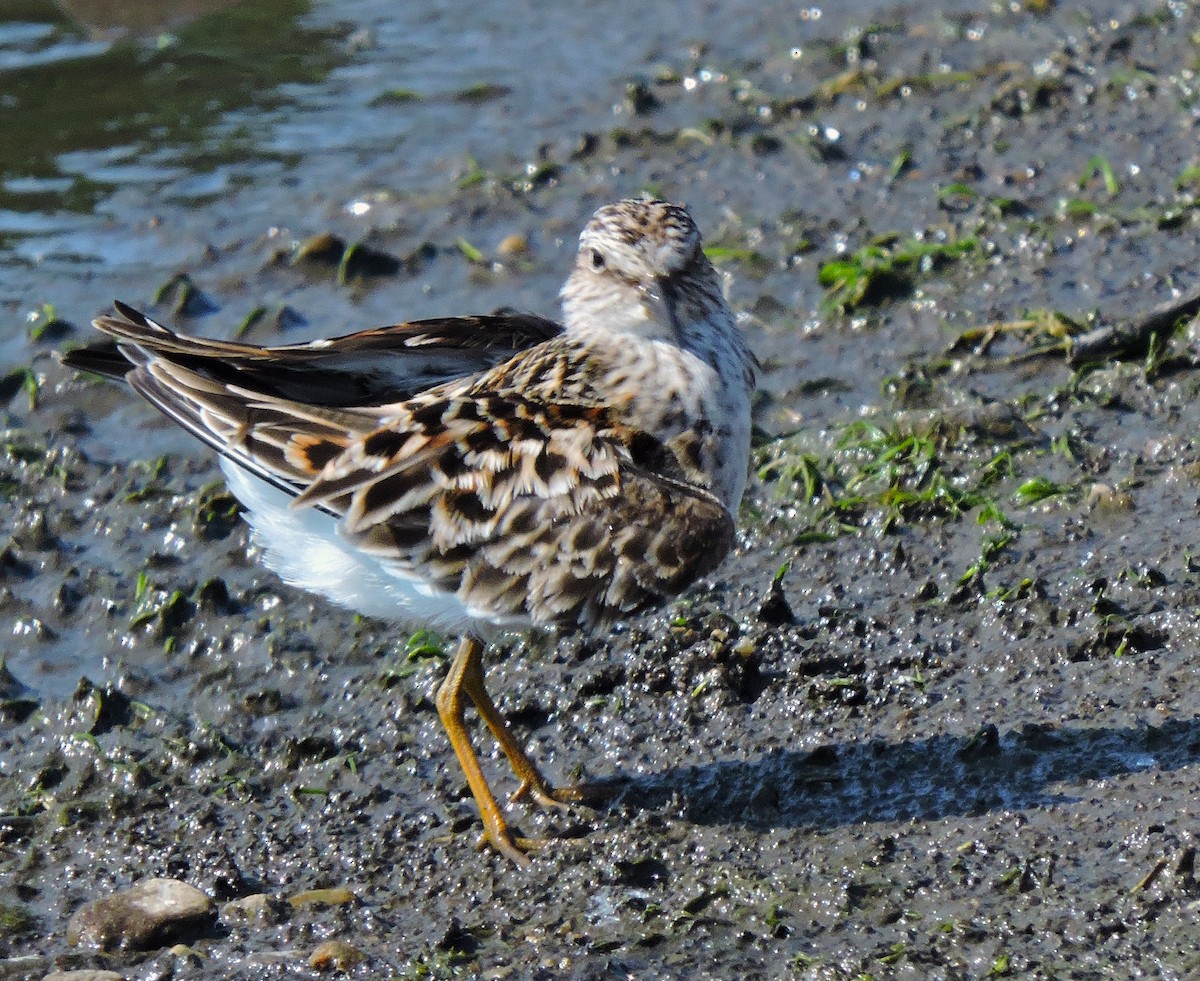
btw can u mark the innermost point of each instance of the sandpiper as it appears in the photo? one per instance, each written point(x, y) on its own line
point(488, 473)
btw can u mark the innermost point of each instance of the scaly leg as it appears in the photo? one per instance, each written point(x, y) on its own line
point(466, 672)
point(532, 781)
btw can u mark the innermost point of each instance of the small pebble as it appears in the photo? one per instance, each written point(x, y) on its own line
point(336, 954)
point(260, 909)
point(324, 247)
point(513, 245)
point(1105, 497)
point(338, 896)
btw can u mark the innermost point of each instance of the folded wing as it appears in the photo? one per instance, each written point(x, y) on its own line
point(523, 509)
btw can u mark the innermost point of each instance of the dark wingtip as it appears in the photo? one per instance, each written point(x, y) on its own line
point(100, 359)
point(129, 313)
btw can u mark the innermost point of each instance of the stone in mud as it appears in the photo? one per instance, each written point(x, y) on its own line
point(774, 609)
point(140, 918)
point(362, 260)
point(337, 896)
point(23, 966)
point(513, 245)
point(324, 247)
point(85, 975)
point(259, 909)
point(336, 955)
point(1104, 497)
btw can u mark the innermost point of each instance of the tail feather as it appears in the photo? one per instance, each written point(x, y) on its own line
point(283, 413)
point(104, 359)
point(369, 368)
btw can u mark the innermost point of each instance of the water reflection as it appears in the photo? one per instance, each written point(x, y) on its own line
point(98, 94)
point(121, 17)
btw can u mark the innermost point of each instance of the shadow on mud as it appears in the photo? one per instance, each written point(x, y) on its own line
point(924, 779)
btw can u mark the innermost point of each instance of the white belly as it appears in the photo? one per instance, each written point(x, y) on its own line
point(304, 548)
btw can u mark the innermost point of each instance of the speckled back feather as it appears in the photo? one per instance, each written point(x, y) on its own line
point(535, 475)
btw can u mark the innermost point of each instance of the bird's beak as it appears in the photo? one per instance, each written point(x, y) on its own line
point(661, 299)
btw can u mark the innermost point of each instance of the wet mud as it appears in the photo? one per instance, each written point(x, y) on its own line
point(937, 717)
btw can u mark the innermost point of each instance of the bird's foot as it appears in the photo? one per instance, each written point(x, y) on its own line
point(512, 847)
point(571, 796)
point(518, 847)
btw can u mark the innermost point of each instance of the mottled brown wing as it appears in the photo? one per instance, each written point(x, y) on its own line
point(520, 507)
point(523, 509)
point(370, 367)
point(285, 443)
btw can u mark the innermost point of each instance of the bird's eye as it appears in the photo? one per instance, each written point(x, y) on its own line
point(597, 260)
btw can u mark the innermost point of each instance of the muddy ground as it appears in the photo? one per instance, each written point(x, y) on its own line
point(936, 719)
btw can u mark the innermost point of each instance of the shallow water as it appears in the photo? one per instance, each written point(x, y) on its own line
point(128, 153)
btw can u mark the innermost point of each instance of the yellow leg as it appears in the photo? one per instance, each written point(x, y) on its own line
point(466, 673)
point(532, 781)
point(466, 677)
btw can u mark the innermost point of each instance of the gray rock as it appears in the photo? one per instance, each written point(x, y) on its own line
point(257, 910)
point(147, 915)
